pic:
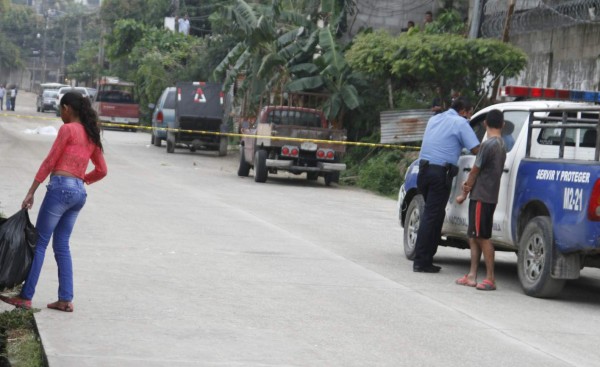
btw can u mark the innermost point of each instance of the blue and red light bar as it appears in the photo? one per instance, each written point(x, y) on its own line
point(550, 93)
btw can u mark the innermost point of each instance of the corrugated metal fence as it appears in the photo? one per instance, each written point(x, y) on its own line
point(406, 126)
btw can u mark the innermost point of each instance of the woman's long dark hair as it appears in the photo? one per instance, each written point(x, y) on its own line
point(88, 117)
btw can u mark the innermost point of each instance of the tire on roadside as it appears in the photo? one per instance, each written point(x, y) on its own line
point(223, 143)
point(260, 166)
point(244, 167)
point(535, 259)
point(156, 141)
point(170, 142)
point(411, 225)
point(312, 176)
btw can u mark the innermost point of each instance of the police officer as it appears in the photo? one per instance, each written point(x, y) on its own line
point(445, 136)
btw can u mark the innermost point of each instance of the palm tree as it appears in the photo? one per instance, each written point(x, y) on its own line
point(289, 46)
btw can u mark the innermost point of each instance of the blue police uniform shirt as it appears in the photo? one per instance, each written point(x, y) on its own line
point(445, 136)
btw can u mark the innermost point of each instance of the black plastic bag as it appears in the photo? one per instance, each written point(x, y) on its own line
point(17, 244)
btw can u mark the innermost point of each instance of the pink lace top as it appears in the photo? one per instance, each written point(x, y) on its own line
point(71, 152)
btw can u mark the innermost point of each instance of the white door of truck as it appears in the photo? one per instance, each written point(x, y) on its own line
point(457, 216)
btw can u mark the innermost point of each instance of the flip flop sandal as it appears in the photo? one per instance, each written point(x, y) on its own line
point(18, 302)
point(61, 306)
point(486, 285)
point(465, 281)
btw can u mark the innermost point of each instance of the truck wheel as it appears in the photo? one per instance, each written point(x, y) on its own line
point(156, 140)
point(312, 176)
point(534, 261)
point(244, 168)
point(223, 146)
point(260, 166)
point(328, 178)
point(335, 177)
point(411, 225)
point(170, 142)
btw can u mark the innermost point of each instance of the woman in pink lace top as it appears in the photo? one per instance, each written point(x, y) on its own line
point(77, 143)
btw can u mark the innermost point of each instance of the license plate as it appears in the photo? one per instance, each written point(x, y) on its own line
point(307, 145)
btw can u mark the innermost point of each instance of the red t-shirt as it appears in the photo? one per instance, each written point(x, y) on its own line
point(71, 152)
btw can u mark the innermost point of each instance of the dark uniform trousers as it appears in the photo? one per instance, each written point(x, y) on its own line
point(434, 183)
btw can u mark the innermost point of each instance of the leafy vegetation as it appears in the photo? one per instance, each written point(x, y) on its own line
point(20, 343)
point(273, 50)
point(281, 49)
point(419, 60)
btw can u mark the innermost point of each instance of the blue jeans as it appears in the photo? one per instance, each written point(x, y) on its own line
point(63, 201)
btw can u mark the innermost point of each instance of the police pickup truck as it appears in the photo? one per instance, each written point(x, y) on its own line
point(548, 209)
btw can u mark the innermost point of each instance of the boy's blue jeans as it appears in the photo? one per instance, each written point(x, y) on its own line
point(63, 201)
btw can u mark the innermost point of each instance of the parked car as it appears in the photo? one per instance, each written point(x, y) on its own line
point(47, 101)
point(199, 118)
point(92, 92)
point(62, 91)
point(44, 87)
point(116, 104)
point(163, 115)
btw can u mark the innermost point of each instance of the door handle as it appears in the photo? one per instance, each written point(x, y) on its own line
point(467, 169)
point(505, 170)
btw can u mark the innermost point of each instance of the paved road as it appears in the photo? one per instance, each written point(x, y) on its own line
point(179, 262)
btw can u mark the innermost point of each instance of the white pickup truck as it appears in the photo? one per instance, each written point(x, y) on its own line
point(549, 203)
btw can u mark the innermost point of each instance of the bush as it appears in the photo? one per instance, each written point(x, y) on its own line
point(381, 173)
point(380, 170)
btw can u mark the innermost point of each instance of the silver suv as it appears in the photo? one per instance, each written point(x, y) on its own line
point(163, 115)
point(62, 91)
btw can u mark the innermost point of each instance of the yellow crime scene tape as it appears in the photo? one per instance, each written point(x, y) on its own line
point(201, 132)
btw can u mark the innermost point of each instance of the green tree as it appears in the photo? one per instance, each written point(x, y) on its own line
point(430, 60)
point(4, 5)
point(148, 12)
point(277, 49)
point(154, 58)
point(333, 75)
point(10, 54)
point(271, 39)
point(18, 26)
point(86, 67)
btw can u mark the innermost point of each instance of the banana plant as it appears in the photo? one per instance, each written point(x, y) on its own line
point(273, 38)
point(283, 48)
point(329, 72)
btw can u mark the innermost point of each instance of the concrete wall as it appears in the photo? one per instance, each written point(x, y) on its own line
point(567, 57)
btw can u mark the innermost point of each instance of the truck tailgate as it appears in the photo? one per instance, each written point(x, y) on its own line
point(118, 110)
point(302, 132)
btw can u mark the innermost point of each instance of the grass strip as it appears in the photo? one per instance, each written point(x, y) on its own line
point(20, 344)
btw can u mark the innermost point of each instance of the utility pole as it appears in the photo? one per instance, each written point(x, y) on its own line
point(477, 15)
point(45, 10)
point(100, 54)
point(61, 74)
point(505, 37)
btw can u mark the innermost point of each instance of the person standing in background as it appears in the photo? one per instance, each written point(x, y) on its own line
point(184, 25)
point(13, 97)
point(409, 25)
point(428, 18)
point(2, 94)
